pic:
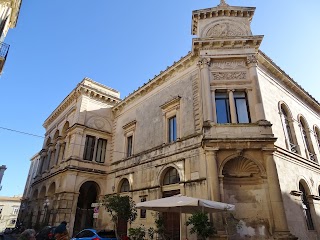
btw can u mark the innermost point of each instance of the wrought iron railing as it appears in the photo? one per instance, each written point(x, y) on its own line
point(293, 148)
point(4, 49)
point(312, 156)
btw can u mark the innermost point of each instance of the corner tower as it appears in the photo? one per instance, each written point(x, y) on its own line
point(227, 52)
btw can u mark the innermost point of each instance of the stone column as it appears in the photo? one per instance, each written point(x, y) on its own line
point(56, 156)
point(281, 230)
point(213, 101)
point(204, 64)
point(212, 174)
point(252, 66)
point(43, 155)
point(232, 104)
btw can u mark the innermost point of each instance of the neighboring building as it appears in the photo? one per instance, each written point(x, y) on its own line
point(9, 209)
point(223, 123)
point(2, 169)
point(9, 13)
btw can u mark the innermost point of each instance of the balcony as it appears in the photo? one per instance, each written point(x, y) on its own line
point(4, 49)
point(260, 131)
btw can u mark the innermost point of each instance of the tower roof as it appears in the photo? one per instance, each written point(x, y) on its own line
point(222, 10)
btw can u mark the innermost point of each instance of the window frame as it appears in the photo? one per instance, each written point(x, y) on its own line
point(88, 148)
point(231, 108)
point(129, 135)
point(170, 110)
point(124, 186)
point(306, 207)
point(102, 151)
point(305, 133)
point(288, 129)
point(143, 212)
point(172, 178)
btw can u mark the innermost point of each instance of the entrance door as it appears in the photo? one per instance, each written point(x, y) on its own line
point(171, 219)
point(84, 214)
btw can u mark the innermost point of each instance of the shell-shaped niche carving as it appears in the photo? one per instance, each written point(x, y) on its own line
point(224, 29)
point(99, 123)
point(240, 167)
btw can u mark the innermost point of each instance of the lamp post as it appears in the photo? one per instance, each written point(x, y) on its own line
point(45, 207)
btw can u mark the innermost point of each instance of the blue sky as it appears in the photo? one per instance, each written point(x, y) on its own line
point(123, 44)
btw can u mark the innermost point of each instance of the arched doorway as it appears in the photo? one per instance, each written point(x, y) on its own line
point(171, 219)
point(88, 194)
point(124, 187)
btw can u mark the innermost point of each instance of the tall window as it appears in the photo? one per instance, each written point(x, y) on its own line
point(287, 130)
point(171, 177)
point(125, 187)
point(306, 207)
point(317, 135)
point(89, 148)
point(242, 110)
point(172, 134)
point(129, 146)
point(223, 108)
point(306, 138)
point(101, 150)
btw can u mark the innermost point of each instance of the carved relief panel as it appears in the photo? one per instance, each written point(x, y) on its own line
point(229, 70)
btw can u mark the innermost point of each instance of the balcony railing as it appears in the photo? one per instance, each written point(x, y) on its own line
point(4, 49)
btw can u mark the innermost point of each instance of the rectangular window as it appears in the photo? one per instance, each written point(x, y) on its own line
point(143, 212)
point(15, 210)
point(89, 148)
point(222, 108)
point(101, 150)
point(172, 134)
point(129, 146)
point(241, 107)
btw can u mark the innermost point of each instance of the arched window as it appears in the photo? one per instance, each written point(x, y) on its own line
point(288, 130)
point(306, 207)
point(125, 186)
point(317, 135)
point(171, 177)
point(307, 140)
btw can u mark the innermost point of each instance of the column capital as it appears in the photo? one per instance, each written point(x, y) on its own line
point(252, 60)
point(204, 62)
point(230, 90)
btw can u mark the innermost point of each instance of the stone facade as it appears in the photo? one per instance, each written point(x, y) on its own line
point(224, 123)
point(9, 12)
point(9, 209)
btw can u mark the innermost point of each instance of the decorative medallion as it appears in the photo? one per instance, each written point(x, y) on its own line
point(225, 29)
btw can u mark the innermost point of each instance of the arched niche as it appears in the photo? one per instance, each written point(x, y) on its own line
point(244, 186)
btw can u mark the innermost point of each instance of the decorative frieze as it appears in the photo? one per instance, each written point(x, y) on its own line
point(229, 64)
point(229, 75)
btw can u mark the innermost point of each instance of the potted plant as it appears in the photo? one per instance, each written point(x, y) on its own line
point(200, 225)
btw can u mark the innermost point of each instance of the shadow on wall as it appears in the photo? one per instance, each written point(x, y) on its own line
point(302, 224)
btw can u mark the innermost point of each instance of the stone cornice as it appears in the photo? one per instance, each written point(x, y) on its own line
point(220, 11)
point(15, 5)
point(226, 43)
point(82, 90)
point(182, 64)
point(287, 80)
